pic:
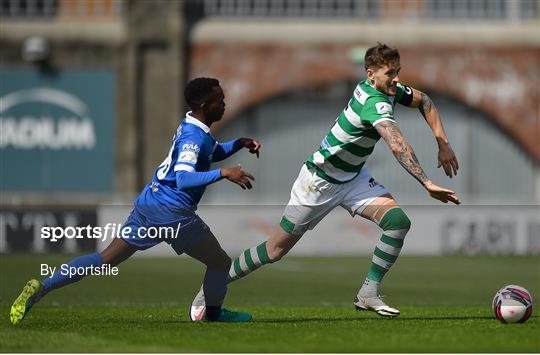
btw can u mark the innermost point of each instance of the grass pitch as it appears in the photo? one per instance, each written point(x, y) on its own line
point(298, 305)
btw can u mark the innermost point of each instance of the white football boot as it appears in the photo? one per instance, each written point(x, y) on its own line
point(197, 309)
point(375, 304)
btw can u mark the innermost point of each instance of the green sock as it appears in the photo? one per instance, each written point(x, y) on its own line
point(250, 260)
point(395, 225)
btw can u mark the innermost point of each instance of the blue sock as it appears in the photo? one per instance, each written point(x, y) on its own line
point(57, 280)
point(213, 312)
point(215, 288)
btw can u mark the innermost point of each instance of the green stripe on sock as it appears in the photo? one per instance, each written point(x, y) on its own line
point(396, 243)
point(385, 256)
point(287, 225)
point(237, 268)
point(376, 273)
point(249, 261)
point(262, 253)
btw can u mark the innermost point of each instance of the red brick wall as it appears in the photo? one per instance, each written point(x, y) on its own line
point(502, 82)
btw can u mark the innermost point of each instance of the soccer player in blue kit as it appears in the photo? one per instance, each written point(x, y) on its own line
point(170, 200)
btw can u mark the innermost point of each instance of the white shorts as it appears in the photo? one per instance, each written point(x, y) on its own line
point(312, 198)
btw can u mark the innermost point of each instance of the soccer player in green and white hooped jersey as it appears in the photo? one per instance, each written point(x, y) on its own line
point(335, 175)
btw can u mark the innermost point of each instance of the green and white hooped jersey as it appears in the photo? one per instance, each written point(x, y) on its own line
point(345, 149)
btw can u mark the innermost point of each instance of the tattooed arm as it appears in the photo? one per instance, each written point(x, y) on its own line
point(402, 150)
point(430, 113)
point(404, 154)
point(447, 159)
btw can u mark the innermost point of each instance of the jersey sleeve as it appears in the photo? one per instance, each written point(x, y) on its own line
point(404, 94)
point(376, 110)
point(187, 179)
point(189, 149)
point(224, 150)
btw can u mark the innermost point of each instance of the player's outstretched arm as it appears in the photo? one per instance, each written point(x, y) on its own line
point(446, 157)
point(189, 179)
point(225, 150)
point(404, 154)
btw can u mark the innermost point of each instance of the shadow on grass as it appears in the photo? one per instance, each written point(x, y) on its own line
point(39, 324)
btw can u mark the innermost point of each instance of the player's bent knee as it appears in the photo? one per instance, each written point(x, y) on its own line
point(221, 263)
point(395, 219)
point(226, 263)
point(117, 252)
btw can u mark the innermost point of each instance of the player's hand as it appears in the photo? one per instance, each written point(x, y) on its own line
point(252, 144)
point(441, 194)
point(448, 160)
point(238, 176)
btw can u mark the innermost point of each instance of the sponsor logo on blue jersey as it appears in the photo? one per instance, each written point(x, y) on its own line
point(191, 147)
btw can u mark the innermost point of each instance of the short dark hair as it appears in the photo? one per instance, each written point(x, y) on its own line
point(198, 89)
point(380, 55)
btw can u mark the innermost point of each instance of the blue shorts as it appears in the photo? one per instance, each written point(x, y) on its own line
point(182, 234)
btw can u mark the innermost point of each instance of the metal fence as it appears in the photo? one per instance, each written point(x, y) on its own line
point(413, 9)
point(79, 9)
point(425, 10)
point(291, 8)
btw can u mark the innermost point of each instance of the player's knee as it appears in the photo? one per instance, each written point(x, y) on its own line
point(405, 222)
point(221, 263)
point(395, 219)
point(117, 252)
point(226, 263)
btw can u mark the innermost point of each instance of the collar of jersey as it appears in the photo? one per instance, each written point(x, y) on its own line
point(196, 122)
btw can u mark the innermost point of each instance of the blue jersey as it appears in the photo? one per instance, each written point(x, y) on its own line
point(162, 201)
